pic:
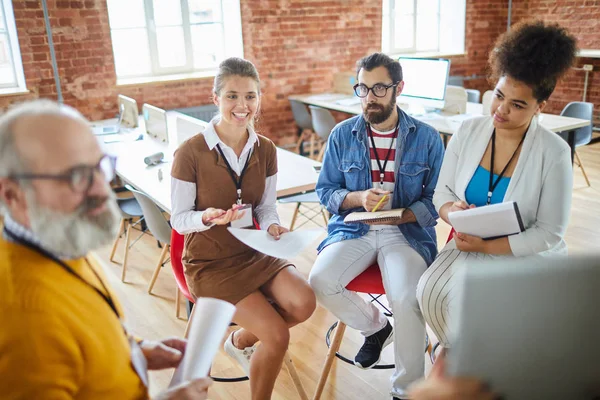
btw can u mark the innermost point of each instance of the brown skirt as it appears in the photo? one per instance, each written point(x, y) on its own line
point(234, 278)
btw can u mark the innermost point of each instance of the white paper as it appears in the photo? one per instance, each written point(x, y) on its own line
point(209, 324)
point(488, 221)
point(289, 245)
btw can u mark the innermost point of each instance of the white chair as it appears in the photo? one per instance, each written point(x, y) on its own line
point(579, 109)
point(323, 123)
point(473, 95)
point(486, 102)
point(456, 100)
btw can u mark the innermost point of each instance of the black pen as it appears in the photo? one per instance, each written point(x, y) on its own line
point(453, 194)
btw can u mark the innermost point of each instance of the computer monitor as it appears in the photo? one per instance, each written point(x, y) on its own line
point(128, 111)
point(155, 120)
point(425, 81)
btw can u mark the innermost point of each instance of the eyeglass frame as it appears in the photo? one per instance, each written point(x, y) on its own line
point(68, 175)
point(387, 87)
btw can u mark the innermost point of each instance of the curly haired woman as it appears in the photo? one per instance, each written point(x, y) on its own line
point(507, 156)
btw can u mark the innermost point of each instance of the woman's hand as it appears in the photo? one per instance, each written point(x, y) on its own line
point(470, 243)
point(221, 217)
point(277, 230)
point(460, 206)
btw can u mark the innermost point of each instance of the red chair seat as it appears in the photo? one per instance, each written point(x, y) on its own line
point(368, 282)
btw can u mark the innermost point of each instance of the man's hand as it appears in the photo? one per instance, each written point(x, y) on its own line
point(163, 354)
point(438, 386)
point(196, 389)
point(277, 230)
point(370, 198)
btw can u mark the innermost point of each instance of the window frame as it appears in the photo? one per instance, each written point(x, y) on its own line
point(14, 50)
point(158, 72)
point(451, 21)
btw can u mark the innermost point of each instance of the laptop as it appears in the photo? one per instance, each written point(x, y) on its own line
point(530, 327)
point(100, 130)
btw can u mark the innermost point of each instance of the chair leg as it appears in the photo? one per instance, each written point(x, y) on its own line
point(295, 216)
point(322, 152)
point(335, 346)
point(126, 256)
point(582, 169)
point(163, 255)
point(294, 375)
point(187, 327)
point(115, 244)
point(177, 302)
point(312, 146)
point(325, 216)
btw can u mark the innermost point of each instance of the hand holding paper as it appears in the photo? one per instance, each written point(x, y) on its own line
point(210, 320)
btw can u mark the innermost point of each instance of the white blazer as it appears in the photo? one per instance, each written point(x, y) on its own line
point(541, 184)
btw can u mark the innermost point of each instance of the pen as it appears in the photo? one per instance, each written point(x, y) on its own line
point(379, 203)
point(453, 194)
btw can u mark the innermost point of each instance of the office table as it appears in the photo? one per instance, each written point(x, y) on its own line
point(443, 122)
point(295, 173)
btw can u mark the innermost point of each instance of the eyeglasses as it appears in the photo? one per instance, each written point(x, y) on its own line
point(378, 89)
point(81, 177)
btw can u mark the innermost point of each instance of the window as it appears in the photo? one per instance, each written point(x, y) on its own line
point(424, 26)
point(12, 78)
point(151, 38)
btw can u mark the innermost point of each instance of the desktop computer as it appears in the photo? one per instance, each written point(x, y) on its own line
point(425, 81)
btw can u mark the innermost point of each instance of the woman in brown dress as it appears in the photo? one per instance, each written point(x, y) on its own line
point(213, 173)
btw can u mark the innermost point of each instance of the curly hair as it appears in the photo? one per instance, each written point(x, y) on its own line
point(534, 53)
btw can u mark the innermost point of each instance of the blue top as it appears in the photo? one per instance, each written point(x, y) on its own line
point(347, 168)
point(477, 189)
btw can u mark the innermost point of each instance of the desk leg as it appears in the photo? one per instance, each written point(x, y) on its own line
point(571, 142)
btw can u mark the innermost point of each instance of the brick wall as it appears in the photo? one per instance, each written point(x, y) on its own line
point(297, 45)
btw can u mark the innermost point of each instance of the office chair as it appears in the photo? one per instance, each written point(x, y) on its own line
point(177, 244)
point(579, 109)
point(130, 209)
point(486, 102)
point(455, 100)
point(473, 95)
point(304, 123)
point(323, 123)
point(158, 226)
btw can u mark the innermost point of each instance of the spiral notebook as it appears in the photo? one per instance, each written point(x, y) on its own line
point(377, 216)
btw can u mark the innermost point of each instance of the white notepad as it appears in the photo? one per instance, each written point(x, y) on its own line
point(377, 216)
point(488, 222)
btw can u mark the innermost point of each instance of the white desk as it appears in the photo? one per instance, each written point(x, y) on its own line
point(445, 123)
point(296, 174)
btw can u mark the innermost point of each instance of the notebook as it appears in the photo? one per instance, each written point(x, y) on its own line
point(488, 222)
point(377, 216)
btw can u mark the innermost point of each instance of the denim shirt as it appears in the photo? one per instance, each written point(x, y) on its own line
point(347, 168)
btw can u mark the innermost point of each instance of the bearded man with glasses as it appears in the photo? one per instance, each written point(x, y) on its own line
point(389, 160)
point(62, 334)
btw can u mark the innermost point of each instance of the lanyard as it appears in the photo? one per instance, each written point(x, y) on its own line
point(382, 169)
point(492, 185)
point(236, 181)
point(46, 254)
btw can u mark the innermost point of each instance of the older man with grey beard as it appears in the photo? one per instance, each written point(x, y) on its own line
point(62, 334)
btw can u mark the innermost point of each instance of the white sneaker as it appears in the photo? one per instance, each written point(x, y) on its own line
point(241, 356)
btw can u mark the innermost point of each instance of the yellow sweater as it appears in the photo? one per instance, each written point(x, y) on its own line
point(58, 338)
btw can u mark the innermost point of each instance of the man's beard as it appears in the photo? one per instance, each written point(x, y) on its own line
point(376, 113)
point(75, 234)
